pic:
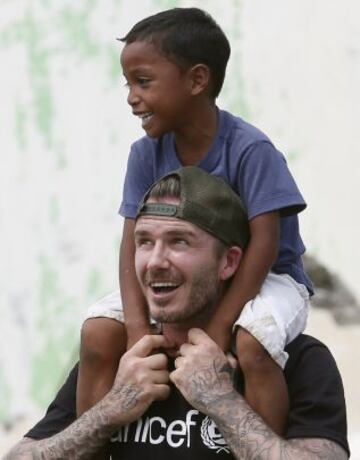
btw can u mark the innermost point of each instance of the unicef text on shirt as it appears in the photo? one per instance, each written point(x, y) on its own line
point(155, 431)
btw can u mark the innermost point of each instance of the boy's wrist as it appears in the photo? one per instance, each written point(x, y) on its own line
point(137, 325)
point(221, 323)
point(136, 331)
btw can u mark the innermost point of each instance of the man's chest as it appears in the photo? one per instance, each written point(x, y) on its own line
point(173, 430)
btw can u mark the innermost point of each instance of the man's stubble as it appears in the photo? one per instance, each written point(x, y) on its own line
point(202, 299)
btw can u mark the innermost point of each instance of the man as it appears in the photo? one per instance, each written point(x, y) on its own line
point(189, 233)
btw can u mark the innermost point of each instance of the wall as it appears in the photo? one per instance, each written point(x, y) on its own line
point(65, 132)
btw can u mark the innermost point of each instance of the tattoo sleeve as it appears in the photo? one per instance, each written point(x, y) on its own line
point(250, 438)
point(83, 438)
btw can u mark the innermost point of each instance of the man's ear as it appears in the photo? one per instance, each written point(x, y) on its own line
point(230, 262)
point(199, 78)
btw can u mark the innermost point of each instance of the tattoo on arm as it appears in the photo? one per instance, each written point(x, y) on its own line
point(319, 448)
point(249, 437)
point(83, 438)
point(209, 382)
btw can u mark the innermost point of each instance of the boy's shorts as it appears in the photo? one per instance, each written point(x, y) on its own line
point(274, 317)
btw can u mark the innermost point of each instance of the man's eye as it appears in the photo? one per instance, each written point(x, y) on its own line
point(180, 242)
point(144, 242)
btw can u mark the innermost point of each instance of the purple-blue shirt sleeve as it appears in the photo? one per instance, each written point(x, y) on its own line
point(265, 182)
point(138, 179)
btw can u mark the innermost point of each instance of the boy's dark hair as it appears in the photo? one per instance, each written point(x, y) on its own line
point(187, 36)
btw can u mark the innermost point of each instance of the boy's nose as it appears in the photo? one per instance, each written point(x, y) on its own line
point(133, 97)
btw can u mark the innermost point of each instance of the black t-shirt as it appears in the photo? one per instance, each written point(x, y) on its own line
point(174, 428)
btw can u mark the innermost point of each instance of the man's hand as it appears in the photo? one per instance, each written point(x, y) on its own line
point(203, 373)
point(142, 378)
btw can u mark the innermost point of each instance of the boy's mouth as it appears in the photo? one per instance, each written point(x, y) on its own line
point(145, 118)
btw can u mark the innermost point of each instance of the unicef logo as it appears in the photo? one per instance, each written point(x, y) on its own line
point(211, 436)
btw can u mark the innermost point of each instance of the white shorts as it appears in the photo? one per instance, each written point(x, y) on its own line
point(274, 317)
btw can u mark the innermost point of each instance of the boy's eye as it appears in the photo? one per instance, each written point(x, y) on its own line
point(142, 81)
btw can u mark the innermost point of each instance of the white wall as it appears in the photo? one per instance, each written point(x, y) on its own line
point(65, 133)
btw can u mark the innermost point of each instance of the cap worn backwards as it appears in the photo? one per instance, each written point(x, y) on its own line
point(206, 201)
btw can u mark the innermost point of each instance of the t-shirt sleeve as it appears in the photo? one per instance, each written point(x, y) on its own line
point(61, 412)
point(265, 182)
point(317, 403)
point(138, 178)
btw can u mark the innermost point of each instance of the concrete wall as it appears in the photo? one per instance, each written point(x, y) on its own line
point(65, 132)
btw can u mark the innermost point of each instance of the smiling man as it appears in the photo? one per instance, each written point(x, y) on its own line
point(190, 234)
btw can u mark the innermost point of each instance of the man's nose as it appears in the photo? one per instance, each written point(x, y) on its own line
point(159, 257)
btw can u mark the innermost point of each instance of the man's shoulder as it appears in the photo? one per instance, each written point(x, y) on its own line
point(305, 340)
point(305, 349)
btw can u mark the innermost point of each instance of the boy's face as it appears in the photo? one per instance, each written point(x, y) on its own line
point(159, 91)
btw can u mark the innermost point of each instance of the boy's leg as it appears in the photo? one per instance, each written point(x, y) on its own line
point(103, 342)
point(265, 387)
point(267, 323)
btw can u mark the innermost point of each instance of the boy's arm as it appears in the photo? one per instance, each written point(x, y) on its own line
point(134, 304)
point(256, 263)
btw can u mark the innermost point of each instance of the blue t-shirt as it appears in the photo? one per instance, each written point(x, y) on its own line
point(247, 160)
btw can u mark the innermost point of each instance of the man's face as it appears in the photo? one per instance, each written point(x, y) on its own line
point(178, 268)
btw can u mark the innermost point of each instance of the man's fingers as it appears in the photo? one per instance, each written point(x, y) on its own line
point(197, 336)
point(161, 392)
point(157, 361)
point(185, 348)
point(159, 377)
point(146, 345)
point(178, 361)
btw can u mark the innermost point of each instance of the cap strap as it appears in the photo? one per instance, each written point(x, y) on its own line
point(158, 209)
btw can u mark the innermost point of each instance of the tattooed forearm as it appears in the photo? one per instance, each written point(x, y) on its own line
point(322, 449)
point(85, 437)
point(250, 438)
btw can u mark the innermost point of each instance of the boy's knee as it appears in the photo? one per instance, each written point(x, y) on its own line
point(252, 356)
point(102, 340)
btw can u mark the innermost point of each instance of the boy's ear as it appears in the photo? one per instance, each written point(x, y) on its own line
point(199, 76)
point(230, 262)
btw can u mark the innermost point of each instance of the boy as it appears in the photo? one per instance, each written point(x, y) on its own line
point(174, 63)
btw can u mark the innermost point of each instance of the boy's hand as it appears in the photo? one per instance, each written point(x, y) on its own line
point(220, 335)
point(134, 334)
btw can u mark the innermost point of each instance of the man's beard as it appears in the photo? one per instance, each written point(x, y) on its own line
point(203, 297)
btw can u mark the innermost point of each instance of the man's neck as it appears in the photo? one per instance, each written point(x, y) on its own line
point(176, 336)
point(177, 333)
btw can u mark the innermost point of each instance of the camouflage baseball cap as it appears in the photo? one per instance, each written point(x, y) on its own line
point(206, 201)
